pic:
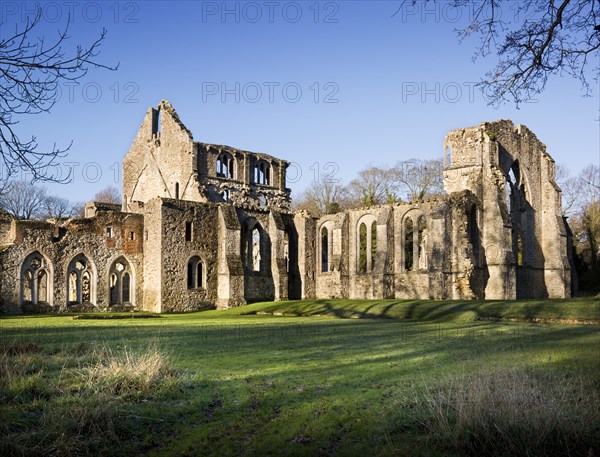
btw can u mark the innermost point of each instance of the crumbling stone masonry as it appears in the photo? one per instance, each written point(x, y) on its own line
point(205, 226)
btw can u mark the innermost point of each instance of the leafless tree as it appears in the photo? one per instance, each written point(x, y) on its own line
point(57, 207)
point(109, 195)
point(78, 209)
point(31, 70)
point(581, 202)
point(409, 179)
point(373, 186)
point(23, 200)
point(418, 178)
point(534, 40)
point(323, 197)
point(571, 190)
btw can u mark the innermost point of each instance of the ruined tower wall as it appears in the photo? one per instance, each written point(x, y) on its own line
point(523, 238)
point(544, 265)
point(162, 160)
point(187, 232)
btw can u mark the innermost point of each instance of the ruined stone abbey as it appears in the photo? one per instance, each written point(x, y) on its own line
point(206, 225)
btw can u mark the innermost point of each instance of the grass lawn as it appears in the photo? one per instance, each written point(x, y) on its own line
point(293, 378)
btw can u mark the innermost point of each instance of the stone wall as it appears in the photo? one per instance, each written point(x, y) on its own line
point(390, 272)
point(103, 240)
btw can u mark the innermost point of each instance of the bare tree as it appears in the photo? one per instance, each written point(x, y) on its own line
point(374, 186)
point(571, 190)
point(78, 209)
point(420, 178)
point(22, 200)
point(583, 200)
point(109, 195)
point(411, 179)
point(57, 207)
point(30, 72)
point(323, 197)
point(534, 40)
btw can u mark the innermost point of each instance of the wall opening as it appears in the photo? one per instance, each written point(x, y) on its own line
point(286, 251)
point(473, 233)
point(189, 229)
point(324, 250)
point(195, 272)
point(81, 281)
point(262, 173)
point(225, 166)
point(35, 280)
point(373, 250)
point(422, 242)
point(255, 253)
point(262, 201)
point(120, 279)
point(362, 248)
point(408, 244)
point(156, 122)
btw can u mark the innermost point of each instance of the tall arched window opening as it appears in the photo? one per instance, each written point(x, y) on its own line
point(324, 250)
point(254, 249)
point(362, 248)
point(373, 250)
point(473, 232)
point(408, 244)
point(422, 242)
point(286, 250)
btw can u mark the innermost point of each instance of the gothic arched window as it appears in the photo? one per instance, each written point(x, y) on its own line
point(225, 166)
point(120, 283)
point(81, 281)
point(36, 280)
point(262, 173)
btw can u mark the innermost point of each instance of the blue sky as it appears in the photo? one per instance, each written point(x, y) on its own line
point(330, 86)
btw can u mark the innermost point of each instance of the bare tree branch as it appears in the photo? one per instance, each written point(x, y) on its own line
point(540, 39)
point(30, 73)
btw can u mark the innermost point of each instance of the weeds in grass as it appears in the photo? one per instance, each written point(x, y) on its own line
point(128, 373)
point(79, 400)
point(514, 412)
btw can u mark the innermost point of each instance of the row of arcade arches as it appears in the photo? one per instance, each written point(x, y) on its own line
point(413, 248)
point(36, 281)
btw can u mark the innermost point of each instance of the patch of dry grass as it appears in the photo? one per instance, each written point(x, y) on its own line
point(76, 400)
point(516, 412)
point(128, 372)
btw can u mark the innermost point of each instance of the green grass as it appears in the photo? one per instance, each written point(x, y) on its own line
point(240, 383)
point(578, 310)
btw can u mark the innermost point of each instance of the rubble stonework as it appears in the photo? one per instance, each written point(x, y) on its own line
point(204, 226)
